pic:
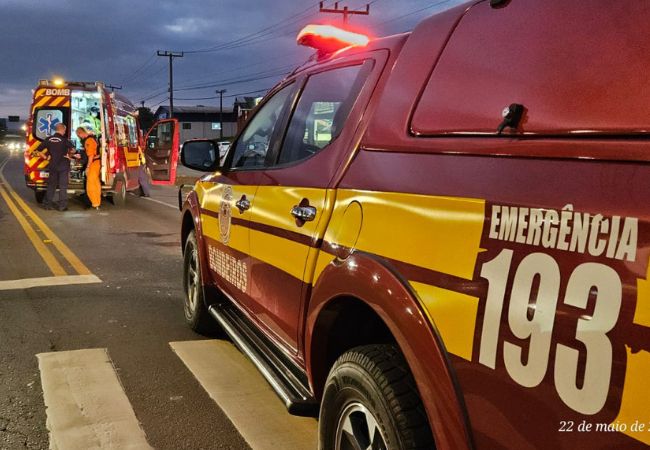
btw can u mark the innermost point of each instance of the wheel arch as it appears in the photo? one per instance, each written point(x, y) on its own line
point(370, 285)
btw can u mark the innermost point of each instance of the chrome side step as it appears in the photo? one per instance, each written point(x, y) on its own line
point(285, 380)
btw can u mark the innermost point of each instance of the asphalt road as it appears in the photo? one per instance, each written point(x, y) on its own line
point(134, 312)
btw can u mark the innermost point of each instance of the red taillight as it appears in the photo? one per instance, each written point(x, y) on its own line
point(329, 39)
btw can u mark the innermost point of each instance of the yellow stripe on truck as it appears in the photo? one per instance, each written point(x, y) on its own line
point(272, 207)
point(321, 263)
point(442, 234)
point(238, 234)
point(636, 395)
point(453, 314)
point(438, 233)
point(288, 256)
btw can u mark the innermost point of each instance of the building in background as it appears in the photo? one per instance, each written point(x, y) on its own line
point(243, 107)
point(201, 122)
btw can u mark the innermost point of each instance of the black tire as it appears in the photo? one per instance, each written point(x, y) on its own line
point(39, 196)
point(371, 387)
point(196, 313)
point(119, 193)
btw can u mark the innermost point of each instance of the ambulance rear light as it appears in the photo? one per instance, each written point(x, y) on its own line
point(329, 39)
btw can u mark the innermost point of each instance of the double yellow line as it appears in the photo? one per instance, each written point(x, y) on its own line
point(24, 214)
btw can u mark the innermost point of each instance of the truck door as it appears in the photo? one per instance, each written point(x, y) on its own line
point(161, 151)
point(294, 199)
point(228, 199)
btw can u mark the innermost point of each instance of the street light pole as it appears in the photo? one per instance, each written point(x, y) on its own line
point(220, 92)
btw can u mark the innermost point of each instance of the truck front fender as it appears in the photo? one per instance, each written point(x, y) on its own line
point(373, 280)
point(191, 214)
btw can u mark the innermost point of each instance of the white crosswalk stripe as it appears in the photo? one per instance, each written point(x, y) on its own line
point(87, 407)
point(86, 404)
point(242, 393)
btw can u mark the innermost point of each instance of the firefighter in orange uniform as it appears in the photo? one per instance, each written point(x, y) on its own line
point(93, 184)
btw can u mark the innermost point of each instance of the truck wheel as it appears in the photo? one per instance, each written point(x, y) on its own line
point(196, 313)
point(370, 401)
point(119, 193)
point(40, 196)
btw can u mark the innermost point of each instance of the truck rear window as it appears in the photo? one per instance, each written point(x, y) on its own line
point(322, 110)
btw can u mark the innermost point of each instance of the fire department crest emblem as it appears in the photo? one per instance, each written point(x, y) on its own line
point(225, 214)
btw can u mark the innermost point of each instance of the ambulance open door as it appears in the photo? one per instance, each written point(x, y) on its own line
point(161, 151)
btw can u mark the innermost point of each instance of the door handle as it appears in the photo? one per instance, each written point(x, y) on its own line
point(243, 204)
point(304, 213)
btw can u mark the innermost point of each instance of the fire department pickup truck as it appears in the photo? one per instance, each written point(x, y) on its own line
point(440, 239)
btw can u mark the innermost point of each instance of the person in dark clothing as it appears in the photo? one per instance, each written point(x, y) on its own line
point(58, 148)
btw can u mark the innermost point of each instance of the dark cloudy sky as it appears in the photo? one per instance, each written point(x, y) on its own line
point(251, 43)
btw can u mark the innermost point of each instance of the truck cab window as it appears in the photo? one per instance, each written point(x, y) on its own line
point(160, 136)
point(254, 143)
point(121, 131)
point(322, 111)
point(133, 131)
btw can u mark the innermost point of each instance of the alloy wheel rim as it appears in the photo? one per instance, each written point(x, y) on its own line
point(191, 297)
point(357, 429)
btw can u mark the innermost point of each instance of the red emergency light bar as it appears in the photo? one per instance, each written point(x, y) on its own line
point(329, 39)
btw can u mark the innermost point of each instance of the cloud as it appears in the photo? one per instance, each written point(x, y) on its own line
point(190, 25)
point(115, 41)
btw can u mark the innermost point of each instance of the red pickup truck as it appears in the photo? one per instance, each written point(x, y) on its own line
point(440, 239)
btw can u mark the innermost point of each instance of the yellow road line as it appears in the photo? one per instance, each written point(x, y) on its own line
point(74, 261)
point(65, 251)
point(46, 254)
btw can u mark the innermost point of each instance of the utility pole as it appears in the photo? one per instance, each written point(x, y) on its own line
point(345, 11)
point(220, 92)
point(112, 88)
point(171, 56)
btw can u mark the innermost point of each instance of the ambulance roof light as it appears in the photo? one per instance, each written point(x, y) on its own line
point(329, 39)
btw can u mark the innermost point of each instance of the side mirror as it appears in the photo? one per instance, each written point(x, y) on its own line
point(200, 154)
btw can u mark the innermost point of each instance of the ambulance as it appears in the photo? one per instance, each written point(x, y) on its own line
point(441, 239)
point(114, 121)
